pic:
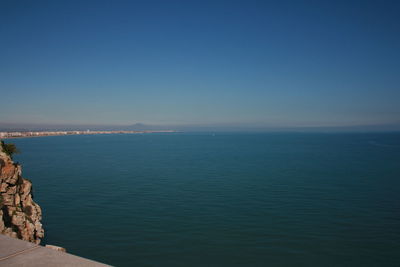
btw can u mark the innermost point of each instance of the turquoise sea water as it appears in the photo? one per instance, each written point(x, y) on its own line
point(220, 200)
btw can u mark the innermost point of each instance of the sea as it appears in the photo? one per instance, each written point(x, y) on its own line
point(220, 199)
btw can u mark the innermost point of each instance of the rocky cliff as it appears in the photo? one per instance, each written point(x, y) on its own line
point(19, 215)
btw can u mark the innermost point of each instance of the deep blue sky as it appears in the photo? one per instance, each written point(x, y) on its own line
point(294, 63)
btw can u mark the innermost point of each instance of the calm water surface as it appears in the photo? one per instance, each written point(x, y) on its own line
point(220, 200)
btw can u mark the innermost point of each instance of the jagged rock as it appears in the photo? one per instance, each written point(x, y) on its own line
point(3, 187)
point(61, 249)
point(19, 215)
point(8, 200)
point(18, 219)
point(1, 221)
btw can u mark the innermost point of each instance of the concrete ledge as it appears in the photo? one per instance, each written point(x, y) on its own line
point(15, 252)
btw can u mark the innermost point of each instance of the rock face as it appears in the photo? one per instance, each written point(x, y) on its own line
point(19, 215)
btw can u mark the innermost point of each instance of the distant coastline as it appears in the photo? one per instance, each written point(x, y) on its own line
point(10, 135)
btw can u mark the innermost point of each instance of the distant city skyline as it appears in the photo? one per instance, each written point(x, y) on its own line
point(204, 64)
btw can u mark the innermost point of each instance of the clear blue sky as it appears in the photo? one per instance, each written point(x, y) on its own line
point(281, 63)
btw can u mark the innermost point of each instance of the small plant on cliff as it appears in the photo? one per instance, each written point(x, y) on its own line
point(9, 149)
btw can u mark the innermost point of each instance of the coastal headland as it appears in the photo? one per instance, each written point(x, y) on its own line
point(4, 135)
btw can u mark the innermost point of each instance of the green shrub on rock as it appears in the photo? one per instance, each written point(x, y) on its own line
point(9, 149)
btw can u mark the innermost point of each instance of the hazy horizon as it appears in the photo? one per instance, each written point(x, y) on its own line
point(208, 64)
point(201, 127)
